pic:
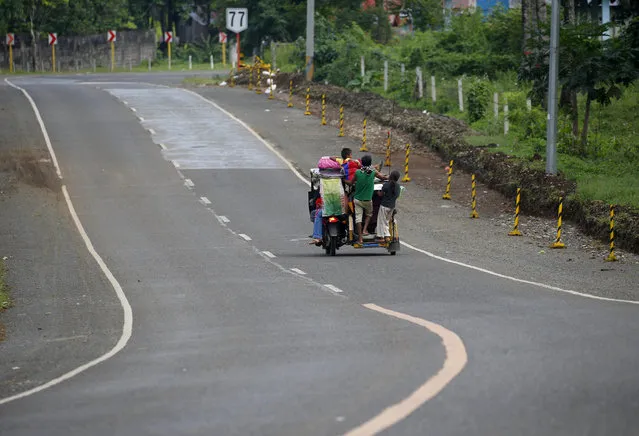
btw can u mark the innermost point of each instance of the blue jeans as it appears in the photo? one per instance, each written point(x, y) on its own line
point(317, 225)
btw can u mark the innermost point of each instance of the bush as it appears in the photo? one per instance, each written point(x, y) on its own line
point(477, 99)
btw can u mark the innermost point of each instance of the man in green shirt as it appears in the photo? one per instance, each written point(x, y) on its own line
point(364, 181)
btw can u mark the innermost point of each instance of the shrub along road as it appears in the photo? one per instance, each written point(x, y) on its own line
point(226, 342)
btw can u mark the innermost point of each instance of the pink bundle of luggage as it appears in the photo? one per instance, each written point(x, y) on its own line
point(326, 163)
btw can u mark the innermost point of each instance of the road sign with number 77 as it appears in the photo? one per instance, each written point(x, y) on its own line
point(237, 19)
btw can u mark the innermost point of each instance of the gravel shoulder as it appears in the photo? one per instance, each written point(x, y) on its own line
point(430, 223)
point(64, 313)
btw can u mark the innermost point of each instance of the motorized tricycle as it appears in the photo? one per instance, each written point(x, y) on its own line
point(338, 214)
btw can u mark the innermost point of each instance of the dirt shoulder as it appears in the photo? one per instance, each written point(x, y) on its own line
point(63, 311)
point(430, 223)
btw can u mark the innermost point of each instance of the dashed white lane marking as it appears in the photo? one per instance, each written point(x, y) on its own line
point(334, 288)
point(456, 359)
point(152, 132)
point(188, 183)
point(269, 254)
point(298, 271)
point(162, 146)
point(205, 200)
point(244, 236)
point(123, 101)
point(127, 325)
point(135, 110)
point(224, 219)
point(140, 118)
point(175, 164)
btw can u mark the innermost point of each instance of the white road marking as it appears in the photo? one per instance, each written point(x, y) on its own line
point(189, 183)
point(162, 146)
point(152, 132)
point(224, 219)
point(135, 110)
point(298, 271)
point(334, 288)
point(141, 119)
point(268, 254)
point(124, 101)
point(245, 237)
point(456, 359)
point(175, 164)
point(127, 325)
point(205, 201)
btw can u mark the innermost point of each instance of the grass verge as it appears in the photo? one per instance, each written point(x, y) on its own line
point(202, 81)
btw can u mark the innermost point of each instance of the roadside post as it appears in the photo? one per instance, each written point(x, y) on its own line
point(406, 178)
point(290, 94)
point(341, 121)
point(558, 243)
point(474, 213)
point(363, 147)
point(111, 38)
point(323, 109)
point(222, 38)
point(53, 41)
point(460, 94)
point(446, 195)
point(270, 85)
point(308, 102)
point(611, 255)
point(212, 63)
point(11, 38)
point(237, 22)
point(168, 38)
point(388, 149)
point(515, 231)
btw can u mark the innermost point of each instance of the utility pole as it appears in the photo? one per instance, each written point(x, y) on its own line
point(551, 128)
point(310, 38)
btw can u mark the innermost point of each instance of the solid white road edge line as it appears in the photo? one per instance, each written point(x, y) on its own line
point(419, 250)
point(298, 271)
point(127, 326)
point(456, 359)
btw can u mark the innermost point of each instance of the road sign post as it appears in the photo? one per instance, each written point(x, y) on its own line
point(111, 37)
point(168, 38)
point(237, 21)
point(10, 41)
point(53, 41)
point(222, 37)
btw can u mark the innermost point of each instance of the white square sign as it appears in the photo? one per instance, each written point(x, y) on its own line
point(237, 19)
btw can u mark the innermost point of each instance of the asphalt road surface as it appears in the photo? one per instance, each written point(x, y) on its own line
point(235, 330)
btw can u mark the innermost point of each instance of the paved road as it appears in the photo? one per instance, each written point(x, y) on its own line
point(227, 340)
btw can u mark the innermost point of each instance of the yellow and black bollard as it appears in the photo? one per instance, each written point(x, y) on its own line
point(232, 81)
point(406, 178)
point(387, 162)
point(558, 243)
point(363, 147)
point(515, 231)
point(473, 203)
point(446, 195)
point(271, 95)
point(308, 102)
point(290, 93)
point(611, 255)
point(250, 77)
point(323, 109)
point(258, 82)
point(341, 121)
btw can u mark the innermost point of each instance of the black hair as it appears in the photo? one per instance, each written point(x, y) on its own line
point(346, 152)
point(393, 179)
point(367, 160)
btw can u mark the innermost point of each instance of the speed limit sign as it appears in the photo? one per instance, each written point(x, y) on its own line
point(237, 19)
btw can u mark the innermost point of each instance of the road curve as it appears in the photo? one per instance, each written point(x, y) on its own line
point(226, 343)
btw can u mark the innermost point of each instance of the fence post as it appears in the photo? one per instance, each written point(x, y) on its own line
point(460, 94)
point(403, 71)
point(362, 66)
point(529, 104)
point(149, 59)
point(212, 63)
point(385, 76)
point(433, 89)
point(420, 82)
point(273, 54)
point(506, 123)
point(496, 105)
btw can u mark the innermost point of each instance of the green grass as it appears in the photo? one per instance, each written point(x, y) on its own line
point(5, 301)
point(198, 81)
point(159, 65)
